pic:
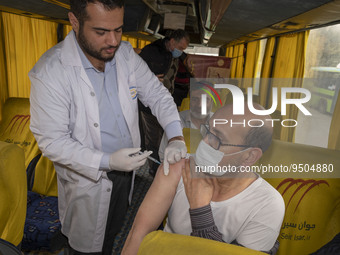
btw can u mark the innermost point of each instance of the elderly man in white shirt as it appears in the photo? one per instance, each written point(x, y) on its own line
point(202, 200)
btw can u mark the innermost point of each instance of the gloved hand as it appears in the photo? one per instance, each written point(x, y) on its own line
point(173, 153)
point(128, 159)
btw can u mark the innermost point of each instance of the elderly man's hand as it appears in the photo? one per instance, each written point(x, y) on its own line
point(174, 152)
point(199, 190)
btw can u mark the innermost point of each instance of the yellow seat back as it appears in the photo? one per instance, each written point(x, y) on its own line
point(185, 105)
point(192, 138)
point(15, 127)
point(13, 190)
point(45, 178)
point(159, 242)
point(312, 215)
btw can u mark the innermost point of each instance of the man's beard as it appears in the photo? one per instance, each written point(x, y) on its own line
point(89, 49)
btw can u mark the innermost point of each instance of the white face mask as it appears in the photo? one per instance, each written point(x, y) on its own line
point(209, 158)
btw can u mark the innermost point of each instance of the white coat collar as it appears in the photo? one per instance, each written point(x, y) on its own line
point(69, 56)
point(69, 53)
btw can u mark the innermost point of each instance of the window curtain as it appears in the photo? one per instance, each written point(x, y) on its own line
point(289, 63)
point(3, 69)
point(229, 52)
point(66, 30)
point(237, 62)
point(266, 70)
point(251, 64)
point(23, 41)
point(334, 131)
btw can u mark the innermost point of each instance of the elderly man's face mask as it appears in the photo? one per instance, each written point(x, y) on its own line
point(209, 156)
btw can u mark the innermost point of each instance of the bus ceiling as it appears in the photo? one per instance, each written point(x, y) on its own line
point(214, 23)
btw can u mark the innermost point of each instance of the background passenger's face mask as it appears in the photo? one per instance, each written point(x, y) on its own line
point(176, 53)
point(207, 157)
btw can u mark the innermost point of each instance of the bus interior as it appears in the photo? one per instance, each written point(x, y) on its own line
point(256, 45)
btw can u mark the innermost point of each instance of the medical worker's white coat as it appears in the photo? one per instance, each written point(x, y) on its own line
point(65, 123)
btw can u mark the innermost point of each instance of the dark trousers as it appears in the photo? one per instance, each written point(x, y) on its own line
point(121, 184)
point(153, 133)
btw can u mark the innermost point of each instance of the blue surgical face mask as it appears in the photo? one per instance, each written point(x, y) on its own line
point(176, 53)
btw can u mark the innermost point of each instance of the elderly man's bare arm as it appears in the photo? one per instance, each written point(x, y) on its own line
point(154, 207)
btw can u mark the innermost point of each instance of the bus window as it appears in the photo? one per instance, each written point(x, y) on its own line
point(322, 78)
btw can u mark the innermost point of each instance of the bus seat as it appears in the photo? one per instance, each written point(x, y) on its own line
point(42, 217)
point(312, 217)
point(45, 178)
point(6, 248)
point(192, 138)
point(42, 228)
point(13, 190)
point(14, 127)
point(159, 242)
point(185, 105)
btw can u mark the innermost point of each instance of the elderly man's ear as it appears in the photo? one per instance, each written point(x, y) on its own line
point(252, 155)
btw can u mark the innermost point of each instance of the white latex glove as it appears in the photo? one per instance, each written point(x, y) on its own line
point(174, 152)
point(124, 160)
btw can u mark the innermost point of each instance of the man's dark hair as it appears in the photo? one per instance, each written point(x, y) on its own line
point(179, 34)
point(78, 7)
point(259, 137)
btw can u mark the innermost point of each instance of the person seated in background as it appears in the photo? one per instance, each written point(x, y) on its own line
point(192, 118)
point(162, 57)
point(233, 207)
point(182, 81)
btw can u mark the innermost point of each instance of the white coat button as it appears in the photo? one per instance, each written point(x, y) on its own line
point(95, 124)
point(108, 190)
point(93, 94)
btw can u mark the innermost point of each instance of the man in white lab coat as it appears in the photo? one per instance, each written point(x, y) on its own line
point(84, 117)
